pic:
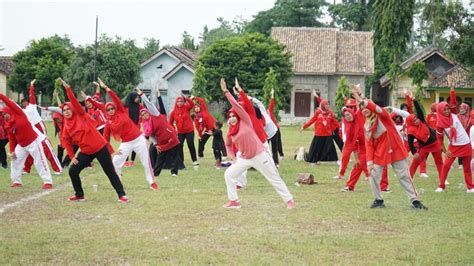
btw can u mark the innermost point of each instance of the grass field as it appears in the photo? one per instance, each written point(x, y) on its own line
point(184, 222)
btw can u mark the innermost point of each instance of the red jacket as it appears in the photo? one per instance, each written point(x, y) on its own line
point(324, 123)
point(271, 107)
point(388, 147)
point(256, 123)
point(207, 121)
point(431, 120)
point(182, 116)
point(19, 129)
point(3, 131)
point(80, 129)
point(120, 125)
point(165, 134)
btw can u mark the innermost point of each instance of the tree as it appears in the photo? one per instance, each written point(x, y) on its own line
point(271, 83)
point(288, 13)
point(418, 73)
point(151, 46)
point(392, 24)
point(352, 15)
point(44, 60)
point(118, 65)
point(342, 94)
point(200, 83)
point(188, 41)
point(249, 58)
point(462, 46)
point(226, 29)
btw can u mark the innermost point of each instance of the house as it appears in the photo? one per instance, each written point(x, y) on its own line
point(321, 56)
point(172, 70)
point(6, 68)
point(440, 68)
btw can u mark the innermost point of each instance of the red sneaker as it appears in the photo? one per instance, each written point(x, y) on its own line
point(232, 204)
point(76, 198)
point(47, 186)
point(127, 164)
point(291, 204)
point(154, 186)
point(123, 199)
point(16, 184)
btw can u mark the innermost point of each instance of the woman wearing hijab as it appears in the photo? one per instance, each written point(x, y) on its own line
point(123, 129)
point(384, 146)
point(203, 122)
point(180, 117)
point(322, 147)
point(252, 154)
point(79, 128)
point(133, 105)
point(448, 124)
point(24, 140)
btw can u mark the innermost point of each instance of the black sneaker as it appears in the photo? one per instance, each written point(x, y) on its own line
point(377, 204)
point(416, 204)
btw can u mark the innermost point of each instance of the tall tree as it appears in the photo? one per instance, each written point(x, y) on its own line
point(151, 46)
point(249, 58)
point(226, 29)
point(271, 83)
point(342, 94)
point(352, 14)
point(461, 47)
point(200, 83)
point(188, 41)
point(118, 65)
point(43, 60)
point(392, 24)
point(288, 13)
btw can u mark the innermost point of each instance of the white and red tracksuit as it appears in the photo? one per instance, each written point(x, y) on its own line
point(121, 127)
point(252, 154)
point(24, 141)
point(97, 113)
point(35, 119)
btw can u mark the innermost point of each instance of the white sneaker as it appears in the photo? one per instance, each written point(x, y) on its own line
point(174, 175)
point(470, 190)
point(446, 182)
point(282, 158)
point(424, 175)
point(338, 162)
point(338, 177)
point(57, 173)
point(439, 190)
point(460, 167)
point(195, 163)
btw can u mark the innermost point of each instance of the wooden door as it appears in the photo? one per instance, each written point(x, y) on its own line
point(302, 104)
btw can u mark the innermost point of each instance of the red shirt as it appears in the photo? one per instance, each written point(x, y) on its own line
point(182, 117)
point(431, 120)
point(256, 123)
point(19, 129)
point(165, 134)
point(203, 121)
point(324, 123)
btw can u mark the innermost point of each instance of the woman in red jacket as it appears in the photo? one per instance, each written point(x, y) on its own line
point(180, 117)
point(322, 146)
point(123, 129)
point(165, 136)
point(79, 128)
point(25, 140)
point(383, 147)
point(203, 122)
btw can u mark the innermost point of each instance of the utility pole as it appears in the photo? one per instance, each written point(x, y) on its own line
point(95, 47)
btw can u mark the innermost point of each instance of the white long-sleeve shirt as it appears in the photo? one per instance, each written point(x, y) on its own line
point(270, 127)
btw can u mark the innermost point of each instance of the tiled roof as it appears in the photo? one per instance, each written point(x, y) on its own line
point(459, 76)
point(327, 50)
point(6, 64)
point(186, 56)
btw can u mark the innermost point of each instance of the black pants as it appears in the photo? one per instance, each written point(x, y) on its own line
point(218, 154)
point(274, 143)
point(163, 156)
point(280, 145)
point(66, 161)
point(202, 143)
point(105, 160)
point(337, 139)
point(190, 141)
point(3, 152)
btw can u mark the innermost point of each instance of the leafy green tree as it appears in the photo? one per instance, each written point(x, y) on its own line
point(418, 73)
point(59, 89)
point(200, 83)
point(249, 58)
point(226, 29)
point(151, 46)
point(118, 65)
point(352, 14)
point(43, 60)
point(188, 41)
point(288, 13)
point(271, 83)
point(342, 94)
point(461, 47)
point(392, 24)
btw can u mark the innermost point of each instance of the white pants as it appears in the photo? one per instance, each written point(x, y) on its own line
point(263, 163)
point(242, 179)
point(140, 147)
point(35, 149)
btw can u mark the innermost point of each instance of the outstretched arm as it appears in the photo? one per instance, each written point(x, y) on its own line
point(419, 111)
point(13, 106)
point(235, 105)
point(151, 107)
point(72, 98)
point(113, 96)
point(32, 92)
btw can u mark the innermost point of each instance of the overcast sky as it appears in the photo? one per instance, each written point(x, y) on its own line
point(22, 21)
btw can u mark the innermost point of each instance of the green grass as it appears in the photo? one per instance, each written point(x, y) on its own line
point(184, 222)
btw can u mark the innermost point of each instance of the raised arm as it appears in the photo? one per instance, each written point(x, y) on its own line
point(244, 117)
point(400, 112)
point(151, 107)
point(161, 105)
point(409, 103)
point(190, 103)
point(419, 111)
point(13, 106)
point(72, 98)
point(54, 109)
point(312, 120)
point(96, 104)
point(113, 96)
point(32, 92)
point(202, 104)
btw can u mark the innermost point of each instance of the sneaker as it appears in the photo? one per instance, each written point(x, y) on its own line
point(195, 163)
point(424, 175)
point(470, 190)
point(174, 175)
point(337, 177)
point(127, 164)
point(291, 204)
point(446, 182)
point(47, 186)
point(57, 173)
point(416, 204)
point(232, 204)
point(154, 186)
point(16, 184)
point(460, 167)
point(132, 163)
point(5, 166)
point(25, 172)
point(347, 189)
point(387, 190)
point(123, 199)
point(76, 198)
point(338, 162)
point(439, 189)
point(377, 204)
point(366, 178)
point(282, 158)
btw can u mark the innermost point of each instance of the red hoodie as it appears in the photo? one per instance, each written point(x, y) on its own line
point(80, 129)
point(182, 116)
point(20, 131)
point(271, 107)
point(256, 123)
point(324, 123)
point(203, 120)
point(120, 125)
